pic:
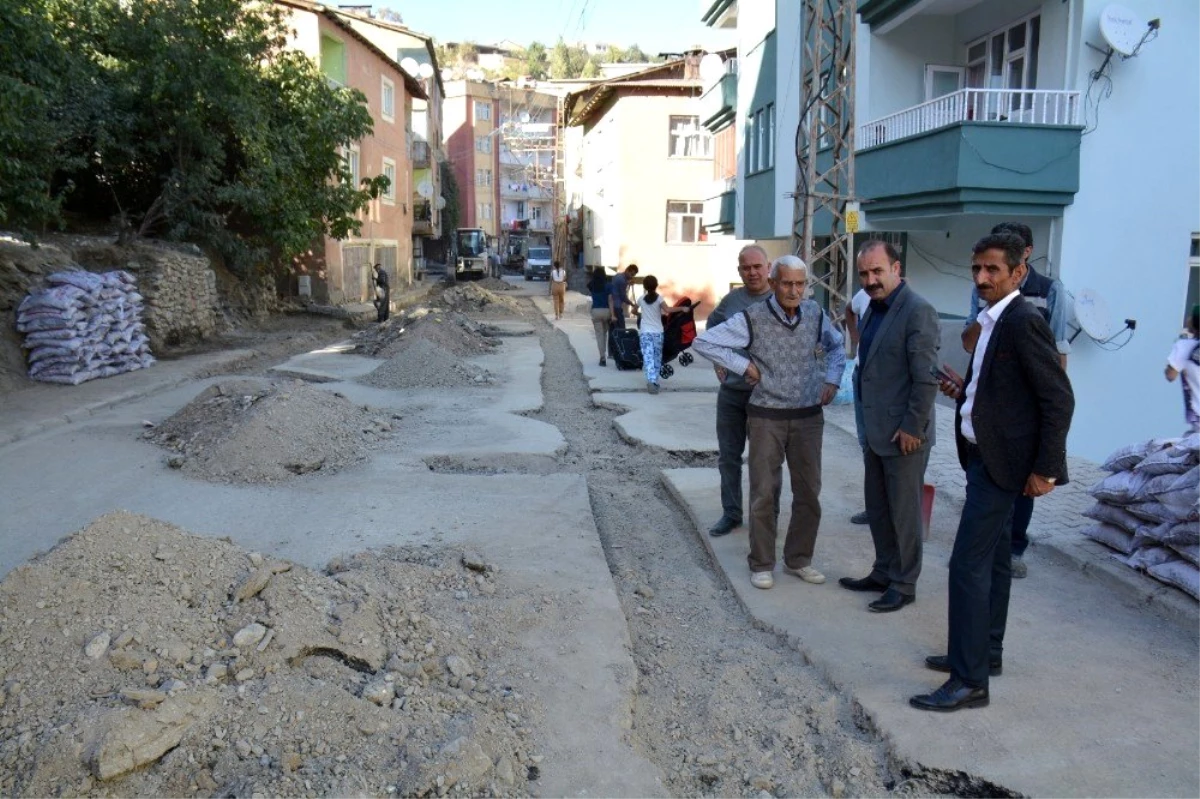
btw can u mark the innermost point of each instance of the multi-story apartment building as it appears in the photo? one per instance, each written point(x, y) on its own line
point(973, 112)
point(470, 113)
point(415, 52)
point(341, 271)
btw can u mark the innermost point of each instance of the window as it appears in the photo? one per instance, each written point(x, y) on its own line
point(688, 139)
point(389, 172)
point(333, 60)
point(535, 212)
point(483, 144)
point(352, 165)
point(387, 100)
point(483, 112)
point(1007, 59)
point(520, 209)
point(684, 222)
point(484, 210)
point(483, 177)
point(760, 139)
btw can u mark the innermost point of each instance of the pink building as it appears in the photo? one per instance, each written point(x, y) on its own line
point(341, 271)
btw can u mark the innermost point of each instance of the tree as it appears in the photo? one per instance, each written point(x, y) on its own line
point(634, 55)
point(567, 61)
point(389, 15)
point(452, 213)
point(537, 62)
point(591, 69)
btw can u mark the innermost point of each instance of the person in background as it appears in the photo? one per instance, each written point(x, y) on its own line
point(651, 309)
point(854, 312)
point(1047, 295)
point(794, 361)
point(734, 393)
point(1185, 360)
point(1014, 410)
point(618, 298)
point(558, 288)
point(383, 295)
point(599, 289)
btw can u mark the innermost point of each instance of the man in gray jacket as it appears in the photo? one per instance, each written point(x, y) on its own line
point(734, 394)
point(794, 361)
point(895, 383)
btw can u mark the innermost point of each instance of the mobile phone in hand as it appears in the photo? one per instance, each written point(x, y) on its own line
point(942, 376)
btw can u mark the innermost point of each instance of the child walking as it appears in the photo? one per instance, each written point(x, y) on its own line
point(651, 310)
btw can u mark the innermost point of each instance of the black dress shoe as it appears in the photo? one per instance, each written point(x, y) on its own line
point(724, 526)
point(953, 695)
point(860, 518)
point(867, 583)
point(942, 663)
point(891, 600)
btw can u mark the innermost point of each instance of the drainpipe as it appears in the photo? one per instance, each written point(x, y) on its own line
point(1070, 68)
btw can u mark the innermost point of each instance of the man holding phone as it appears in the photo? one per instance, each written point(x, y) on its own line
point(895, 387)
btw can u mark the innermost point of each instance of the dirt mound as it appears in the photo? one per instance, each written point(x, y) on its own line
point(140, 660)
point(424, 364)
point(256, 431)
point(450, 330)
point(472, 297)
point(495, 284)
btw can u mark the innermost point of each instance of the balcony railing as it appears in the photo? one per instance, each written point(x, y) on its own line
point(1012, 106)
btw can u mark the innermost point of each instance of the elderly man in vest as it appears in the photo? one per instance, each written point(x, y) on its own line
point(794, 361)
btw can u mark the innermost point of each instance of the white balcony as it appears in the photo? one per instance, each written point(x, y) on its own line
point(1005, 106)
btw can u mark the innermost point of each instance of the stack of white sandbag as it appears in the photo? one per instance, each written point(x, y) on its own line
point(84, 326)
point(1147, 509)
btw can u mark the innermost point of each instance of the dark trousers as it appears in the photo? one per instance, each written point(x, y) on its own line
point(892, 486)
point(383, 305)
point(1022, 513)
point(980, 575)
point(731, 443)
point(798, 442)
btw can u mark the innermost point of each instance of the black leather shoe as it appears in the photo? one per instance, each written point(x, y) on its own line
point(860, 518)
point(724, 526)
point(953, 695)
point(891, 600)
point(942, 663)
point(867, 583)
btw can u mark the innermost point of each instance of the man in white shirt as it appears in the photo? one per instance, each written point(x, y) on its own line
point(558, 289)
point(1185, 360)
point(1014, 411)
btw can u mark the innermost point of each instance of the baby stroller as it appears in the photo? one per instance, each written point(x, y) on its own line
point(678, 334)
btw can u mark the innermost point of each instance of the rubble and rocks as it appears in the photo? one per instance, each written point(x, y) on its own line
point(259, 431)
point(495, 284)
point(473, 297)
point(423, 364)
point(450, 330)
point(362, 688)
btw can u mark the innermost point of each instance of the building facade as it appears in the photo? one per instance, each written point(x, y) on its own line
point(470, 113)
point(973, 112)
point(340, 271)
point(416, 51)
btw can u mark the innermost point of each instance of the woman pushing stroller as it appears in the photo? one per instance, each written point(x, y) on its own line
point(651, 309)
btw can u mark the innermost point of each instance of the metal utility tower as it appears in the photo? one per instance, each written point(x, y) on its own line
point(825, 146)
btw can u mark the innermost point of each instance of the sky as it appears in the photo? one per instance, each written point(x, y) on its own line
point(654, 25)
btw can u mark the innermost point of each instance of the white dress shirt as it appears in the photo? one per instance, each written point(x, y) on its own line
point(987, 323)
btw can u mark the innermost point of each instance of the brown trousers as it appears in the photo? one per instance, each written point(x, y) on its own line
point(559, 292)
point(772, 442)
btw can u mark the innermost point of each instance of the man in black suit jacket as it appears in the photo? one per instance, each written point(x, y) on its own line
point(1014, 410)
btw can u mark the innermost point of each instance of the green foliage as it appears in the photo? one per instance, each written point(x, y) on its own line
point(537, 61)
point(591, 69)
point(452, 213)
point(181, 118)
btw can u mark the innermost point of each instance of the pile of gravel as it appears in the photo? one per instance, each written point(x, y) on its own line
point(472, 297)
point(494, 284)
point(423, 364)
point(450, 330)
point(140, 660)
point(256, 431)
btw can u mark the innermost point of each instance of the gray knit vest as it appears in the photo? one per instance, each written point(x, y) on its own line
point(789, 359)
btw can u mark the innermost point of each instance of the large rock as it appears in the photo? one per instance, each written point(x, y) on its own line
point(135, 738)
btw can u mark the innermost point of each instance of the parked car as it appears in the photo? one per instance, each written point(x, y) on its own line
point(537, 263)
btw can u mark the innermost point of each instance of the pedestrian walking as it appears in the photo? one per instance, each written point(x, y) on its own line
point(1185, 360)
point(601, 317)
point(650, 310)
point(558, 288)
point(734, 393)
point(1047, 295)
point(1014, 409)
point(618, 298)
point(383, 295)
point(895, 387)
point(785, 337)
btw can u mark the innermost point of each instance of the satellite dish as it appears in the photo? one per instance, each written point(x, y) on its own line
point(712, 67)
point(1122, 29)
point(425, 70)
point(524, 117)
point(425, 189)
point(410, 66)
point(1092, 312)
point(441, 203)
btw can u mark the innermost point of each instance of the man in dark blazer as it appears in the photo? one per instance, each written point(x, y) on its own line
point(897, 355)
point(1014, 410)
